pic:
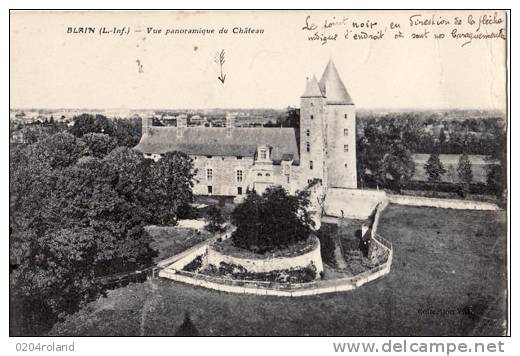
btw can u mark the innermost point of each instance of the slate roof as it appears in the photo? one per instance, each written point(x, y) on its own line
point(215, 141)
point(312, 89)
point(332, 86)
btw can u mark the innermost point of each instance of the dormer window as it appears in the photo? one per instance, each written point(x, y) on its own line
point(263, 154)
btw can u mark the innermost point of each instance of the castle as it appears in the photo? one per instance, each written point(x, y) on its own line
point(231, 159)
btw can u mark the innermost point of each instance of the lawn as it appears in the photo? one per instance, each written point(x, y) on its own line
point(448, 278)
point(171, 240)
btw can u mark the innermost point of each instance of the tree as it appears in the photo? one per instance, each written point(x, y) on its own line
point(442, 137)
point(127, 132)
point(98, 145)
point(87, 123)
point(271, 221)
point(58, 151)
point(215, 219)
point(497, 174)
point(434, 168)
point(170, 186)
point(397, 166)
point(465, 174)
point(73, 219)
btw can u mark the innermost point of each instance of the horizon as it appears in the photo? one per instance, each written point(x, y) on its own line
point(503, 111)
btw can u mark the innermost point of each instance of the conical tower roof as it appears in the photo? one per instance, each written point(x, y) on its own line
point(312, 89)
point(332, 86)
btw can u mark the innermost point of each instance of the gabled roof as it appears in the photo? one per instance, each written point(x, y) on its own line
point(216, 141)
point(332, 86)
point(312, 89)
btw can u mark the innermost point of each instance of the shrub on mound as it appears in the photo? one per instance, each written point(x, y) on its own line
point(290, 275)
point(271, 221)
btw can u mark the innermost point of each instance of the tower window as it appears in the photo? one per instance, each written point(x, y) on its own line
point(308, 132)
point(345, 132)
point(312, 117)
point(210, 189)
point(346, 165)
point(209, 174)
point(345, 148)
point(308, 145)
point(239, 175)
point(288, 178)
point(345, 116)
point(239, 190)
point(311, 164)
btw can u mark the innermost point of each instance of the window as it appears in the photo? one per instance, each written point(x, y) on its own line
point(263, 154)
point(345, 132)
point(210, 189)
point(259, 174)
point(288, 178)
point(311, 164)
point(209, 156)
point(209, 174)
point(345, 116)
point(308, 132)
point(268, 174)
point(345, 148)
point(312, 117)
point(308, 145)
point(239, 190)
point(239, 175)
point(346, 165)
point(239, 157)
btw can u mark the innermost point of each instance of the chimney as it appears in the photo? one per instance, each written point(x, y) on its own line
point(182, 122)
point(146, 123)
point(230, 124)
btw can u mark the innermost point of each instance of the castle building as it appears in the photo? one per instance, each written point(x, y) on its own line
point(230, 160)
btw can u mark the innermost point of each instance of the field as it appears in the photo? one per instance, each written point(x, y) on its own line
point(448, 278)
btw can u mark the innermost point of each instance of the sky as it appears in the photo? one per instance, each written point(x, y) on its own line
point(50, 68)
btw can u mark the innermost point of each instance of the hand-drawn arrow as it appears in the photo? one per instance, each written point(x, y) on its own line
point(220, 60)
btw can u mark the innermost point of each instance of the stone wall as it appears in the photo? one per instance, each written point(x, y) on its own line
point(278, 289)
point(269, 264)
point(441, 203)
point(355, 203)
